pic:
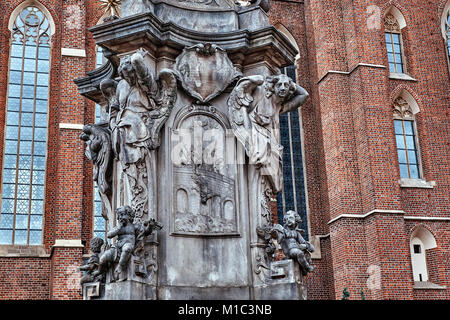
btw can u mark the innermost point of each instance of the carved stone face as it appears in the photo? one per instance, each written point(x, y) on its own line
point(282, 86)
point(124, 215)
point(291, 219)
point(127, 72)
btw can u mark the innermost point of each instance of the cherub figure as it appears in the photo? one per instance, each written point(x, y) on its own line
point(91, 265)
point(294, 246)
point(128, 235)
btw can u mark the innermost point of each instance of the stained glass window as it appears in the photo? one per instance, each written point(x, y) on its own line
point(23, 174)
point(293, 195)
point(100, 224)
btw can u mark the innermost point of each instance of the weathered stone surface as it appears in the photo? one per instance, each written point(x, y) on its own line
point(193, 105)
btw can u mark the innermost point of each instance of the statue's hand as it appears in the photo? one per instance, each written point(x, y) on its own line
point(303, 246)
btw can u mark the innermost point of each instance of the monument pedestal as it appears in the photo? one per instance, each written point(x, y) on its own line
point(187, 102)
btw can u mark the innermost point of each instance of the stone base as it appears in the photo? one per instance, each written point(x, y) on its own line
point(198, 293)
point(129, 290)
point(285, 283)
point(93, 291)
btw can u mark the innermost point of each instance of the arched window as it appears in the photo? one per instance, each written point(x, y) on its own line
point(447, 32)
point(393, 23)
point(445, 25)
point(406, 139)
point(421, 240)
point(100, 224)
point(293, 195)
point(23, 174)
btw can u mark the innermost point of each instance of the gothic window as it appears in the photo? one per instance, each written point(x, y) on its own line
point(23, 173)
point(447, 31)
point(406, 139)
point(100, 224)
point(445, 25)
point(394, 44)
point(293, 195)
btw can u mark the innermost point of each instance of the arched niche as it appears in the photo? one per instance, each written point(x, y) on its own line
point(421, 240)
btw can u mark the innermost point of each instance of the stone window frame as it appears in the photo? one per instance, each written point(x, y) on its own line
point(403, 112)
point(392, 26)
point(283, 30)
point(393, 23)
point(445, 28)
point(405, 107)
point(48, 32)
point(96, 200)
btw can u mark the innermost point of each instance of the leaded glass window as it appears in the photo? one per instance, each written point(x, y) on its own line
point(23, 174)
point(100, 224)
point(293, 195)
point(394, 44)
point(406, 141)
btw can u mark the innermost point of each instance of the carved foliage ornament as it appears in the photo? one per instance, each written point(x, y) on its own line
point(402, 109)
point(391, 24)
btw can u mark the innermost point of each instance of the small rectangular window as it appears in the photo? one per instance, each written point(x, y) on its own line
point(417, 248)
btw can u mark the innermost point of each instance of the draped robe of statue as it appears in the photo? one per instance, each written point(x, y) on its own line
point(142, 106)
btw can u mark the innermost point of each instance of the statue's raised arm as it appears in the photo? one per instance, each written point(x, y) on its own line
point(144, 75)
point(297, 98)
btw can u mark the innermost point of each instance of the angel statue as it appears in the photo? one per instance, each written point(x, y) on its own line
point(255, 105)
point(138, 106)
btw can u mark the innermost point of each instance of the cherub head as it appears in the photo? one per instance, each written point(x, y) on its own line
point(125, 215)
point(96, 244)
point(292, 219)
point(281, 85)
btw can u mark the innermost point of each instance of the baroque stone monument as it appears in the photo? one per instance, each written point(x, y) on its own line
point(187, 154)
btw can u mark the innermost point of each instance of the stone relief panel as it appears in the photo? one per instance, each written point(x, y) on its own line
point(204, 186)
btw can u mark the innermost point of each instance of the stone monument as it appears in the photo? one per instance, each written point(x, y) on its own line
point(187, 154)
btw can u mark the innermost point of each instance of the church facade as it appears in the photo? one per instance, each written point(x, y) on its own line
point(365, 162)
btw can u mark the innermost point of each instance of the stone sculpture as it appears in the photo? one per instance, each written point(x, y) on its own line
point(294, 246)
point(138, 109)
point(129, 236)
point(197, 147)
point(255, 106)
point(98, 150)
point(92, 263)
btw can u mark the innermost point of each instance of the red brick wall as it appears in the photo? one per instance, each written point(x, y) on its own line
point(352, 166)
point(24, 278)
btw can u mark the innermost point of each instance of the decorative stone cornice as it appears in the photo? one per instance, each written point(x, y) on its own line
point(363, 216)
